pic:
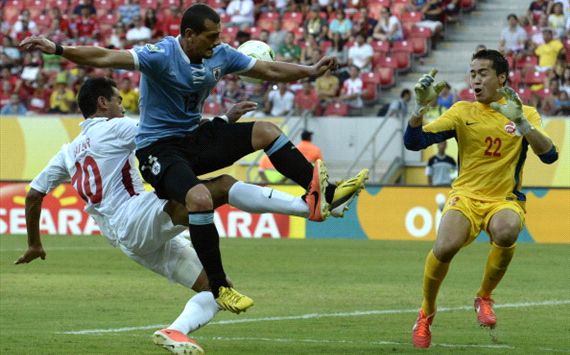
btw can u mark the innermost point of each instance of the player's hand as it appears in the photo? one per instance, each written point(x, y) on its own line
point(240, 109)
point(32, 253)
point(513, 110)
point(326, 63)
point(426, 92)
point(38, 42)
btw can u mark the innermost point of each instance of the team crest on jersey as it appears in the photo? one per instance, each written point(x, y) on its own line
point(217, 73)
point(511, 128)
point(152, 48)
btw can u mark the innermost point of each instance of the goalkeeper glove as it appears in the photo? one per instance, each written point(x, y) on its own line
point(426, 92)
point(513, 110)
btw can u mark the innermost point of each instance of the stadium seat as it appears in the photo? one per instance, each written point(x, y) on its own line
point(466, 94)
point(169, 3)
point(43, 21)
point(216, 4)
point(378, 59)
point(525, 94)
point(336, 109)
point(412, 16)
point(212, 108)
point(40, 4)
point(403, 58)
point(380, 46)
point(529, 61)
point(254, 32)
point(369, 92)
point(404, 46)
point(325, 45)
point(12, 10)
point(266, 19)
point(467, 5)
point(370, 78)
point(299, 33)
point(63, 5)
point(534, 78)
point(422, 32)
point(228, 34)
point(104, 5)
point(149, 3)
point(542, 93)
point(388, 62)
point(419, 45)
point(374, 9)
point(110, 18)
point(385, 3)
point(398, 8)
point(515, 77)
point(296, 17)
point(387, 77)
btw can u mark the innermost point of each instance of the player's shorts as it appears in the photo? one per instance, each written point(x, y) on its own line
point(172, 165)
point(479, 213)
point(148, 236)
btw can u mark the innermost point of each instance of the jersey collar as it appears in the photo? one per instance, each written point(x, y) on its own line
point(483, 106)
point(184, 56)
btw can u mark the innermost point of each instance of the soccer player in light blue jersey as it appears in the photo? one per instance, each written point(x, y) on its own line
point(173, 148)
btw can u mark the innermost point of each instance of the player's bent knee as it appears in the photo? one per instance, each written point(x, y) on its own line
point(265, 132)
point(505, 235)
point(201, 283)
point(199, 198)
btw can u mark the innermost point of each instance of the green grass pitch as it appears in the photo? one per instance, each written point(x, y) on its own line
point(312, 297)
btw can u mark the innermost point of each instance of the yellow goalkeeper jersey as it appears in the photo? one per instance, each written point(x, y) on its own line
point(491, 154)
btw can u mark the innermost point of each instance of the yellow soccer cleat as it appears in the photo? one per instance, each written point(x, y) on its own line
point(233, 301)
point(345, 193)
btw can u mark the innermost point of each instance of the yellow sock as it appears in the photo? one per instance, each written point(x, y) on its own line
point(497, 263)
point(434, 273)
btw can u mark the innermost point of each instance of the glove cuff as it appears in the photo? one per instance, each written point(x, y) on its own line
point(524, 127)
point(419, 110)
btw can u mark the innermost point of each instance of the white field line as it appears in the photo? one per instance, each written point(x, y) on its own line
point(48, 249)
point(320, 315)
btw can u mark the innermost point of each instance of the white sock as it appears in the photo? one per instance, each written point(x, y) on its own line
point(258, 199)
point(199, 310)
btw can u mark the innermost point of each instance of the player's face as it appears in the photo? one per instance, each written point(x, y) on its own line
point(115, 105)
point(484, 81)
point(201, 45)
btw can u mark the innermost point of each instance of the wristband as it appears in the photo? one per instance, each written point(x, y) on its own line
point(223, 117)
point(524, 127)
point(58, 49)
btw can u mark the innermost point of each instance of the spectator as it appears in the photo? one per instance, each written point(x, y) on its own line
point(10, 49)
point(550, 104)
point(399, 108)
point(118, 38)
point(565, 80)
point(24, 24)
point(130, 96)
point(39, 99)
point(327, 86)
point(24, 32)
point(340, 25)
point(5, 92)
point(86, 27)
point(242, 37)
point(87, 4)
point(258, 96)
point(513, 37)
point(338, 50)
point(388, 28)
point(446, 99)
point(564, 104)
point(151, 21)
point(441, 168)
point(64, 25)
point(277, 36)
point(310, 53)
point(365, 24)
point(433, 18)
point(306, 100)
point(548, 51)
point(264, 36)
point(241, 13)
point(537, 11)
point(351, 91)
point(14, 107)
point(451, 10)
point(55, 33)
point(232, 94)
point(314, 24)
point(556, 20)
point(360, 54)
point(171, 23)
point(128, 11)
point(62, 98)
point(139, 33)
point(280, 102)
point(289, 51)
point(309, 150)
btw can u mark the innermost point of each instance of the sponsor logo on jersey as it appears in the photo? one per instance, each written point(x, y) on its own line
point(153, 48)
point(217, 73)
point(511, 128)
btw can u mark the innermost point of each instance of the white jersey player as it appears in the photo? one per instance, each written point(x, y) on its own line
point(99, 163)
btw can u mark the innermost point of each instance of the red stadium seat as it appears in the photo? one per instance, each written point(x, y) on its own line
point(336, 109)
point(525, 94)
point(110, 18)
point(534, 78)
point(104, 5)
point(542, 93)
point(374, 9)
point(529, 61)
point(467, 5)
point(419, 45)
point(380, 46)
point(515, 78)
point(388, 62)
point(378, 58)
point(423, 32)
point(40, 4)
point(403, 58)
point(299, 33)
point(404, 46)
point(466, 94)
point(296, 17)
point(216, 4)
point(387, 77)
point(398, 8)
point(370, 78)
point(43, 21)
point(254, 32)
point(169, 3)
point(325, 45)
point(149, 3)
point(63, 5)
point(12, 10)
point(369, 92)
point(212, 108)
point(385, 3)
point(228, 34)
point(266, 19)
point(412, 16)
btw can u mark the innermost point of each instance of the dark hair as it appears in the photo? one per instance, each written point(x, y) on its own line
point(91, 90)
point(405, 92)
point(512, 16)
point(195, 16)
point(500, 63)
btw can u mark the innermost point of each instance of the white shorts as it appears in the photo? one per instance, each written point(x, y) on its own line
point(432, 25)
point(148, 236)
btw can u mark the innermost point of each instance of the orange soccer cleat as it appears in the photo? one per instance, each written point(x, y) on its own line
point(315, 197)
point(176, 342)
point(421, 333)
point(485, 313)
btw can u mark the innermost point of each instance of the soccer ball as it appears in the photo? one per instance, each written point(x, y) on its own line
point(258, 50)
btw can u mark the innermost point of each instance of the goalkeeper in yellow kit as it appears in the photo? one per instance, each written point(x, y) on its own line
point(493, 135)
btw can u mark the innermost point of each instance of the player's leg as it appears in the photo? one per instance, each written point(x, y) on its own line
point(454, 231)
point(504, 228)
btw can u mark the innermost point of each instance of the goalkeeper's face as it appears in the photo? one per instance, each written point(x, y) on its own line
point(484, 81)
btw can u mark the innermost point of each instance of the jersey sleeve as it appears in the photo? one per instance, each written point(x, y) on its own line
point(126, 130)
point(151, 59)
point(443, 128)
point(54, 174)
point(237, 62)
point(535, 120)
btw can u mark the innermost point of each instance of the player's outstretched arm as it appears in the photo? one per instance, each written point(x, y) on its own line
point(512, 109)
point(288, 72)
point(83, 55)
point(35, 250)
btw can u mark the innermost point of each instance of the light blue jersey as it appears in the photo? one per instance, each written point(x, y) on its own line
point(173, 91)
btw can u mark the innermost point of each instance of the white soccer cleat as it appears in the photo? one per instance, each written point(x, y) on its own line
point(176, 342)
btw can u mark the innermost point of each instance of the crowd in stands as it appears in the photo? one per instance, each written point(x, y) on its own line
point(374, 41)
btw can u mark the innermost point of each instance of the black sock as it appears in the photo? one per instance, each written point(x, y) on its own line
point(206, 242)
point(289, 161)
